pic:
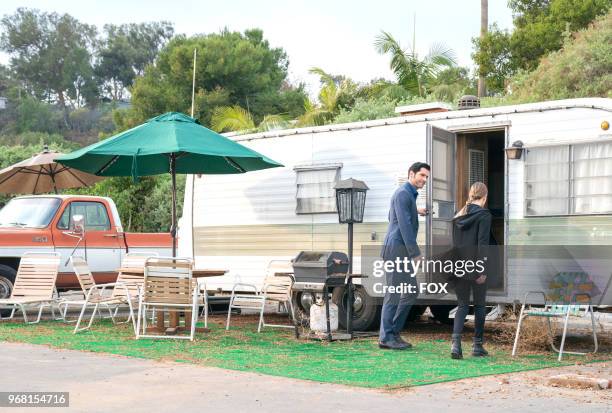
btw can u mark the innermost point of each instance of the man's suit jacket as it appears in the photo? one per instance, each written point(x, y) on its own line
point(403, 224)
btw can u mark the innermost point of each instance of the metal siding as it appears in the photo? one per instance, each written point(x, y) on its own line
point(250, 218)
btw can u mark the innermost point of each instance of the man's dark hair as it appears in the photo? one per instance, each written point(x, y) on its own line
point(416, 167)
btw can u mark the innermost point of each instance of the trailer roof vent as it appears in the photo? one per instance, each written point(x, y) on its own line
point(469, 102)
point(423, 108)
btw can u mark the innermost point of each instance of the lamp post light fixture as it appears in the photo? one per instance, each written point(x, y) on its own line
point(350, 202)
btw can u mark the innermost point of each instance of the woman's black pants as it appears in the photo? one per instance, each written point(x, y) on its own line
point(463, 288)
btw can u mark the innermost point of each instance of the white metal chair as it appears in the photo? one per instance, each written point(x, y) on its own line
point(277, 287)
point(34, 284)
point(564, 304)
point(204, 296)
point(168, 286)
point(86, 281)
point(125, 291)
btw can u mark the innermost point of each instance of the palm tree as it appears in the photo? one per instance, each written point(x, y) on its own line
point(235, 118)
point(411, 72)
point(335, 90)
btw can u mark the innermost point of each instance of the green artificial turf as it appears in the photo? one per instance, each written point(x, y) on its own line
point(277, 352)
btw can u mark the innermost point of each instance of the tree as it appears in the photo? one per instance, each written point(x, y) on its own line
point(336, 92)
point(235, 118)
point(6, 80)
point(126, 51)
point(382, 89)
point(494, 58)
point(539, 28)
point(453, 82)
point(51, 54)
point(414, 74)
point(484, 27)
point(580, 69)
point(367, 109)
point(232, 69)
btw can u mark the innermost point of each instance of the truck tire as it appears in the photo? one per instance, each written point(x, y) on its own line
point(7, 278)
point(366, 310)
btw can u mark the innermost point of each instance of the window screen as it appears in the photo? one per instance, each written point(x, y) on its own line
point(569, 179)
point(547, 181)
point(477, 166)
point(315, 189)
point(592, 178)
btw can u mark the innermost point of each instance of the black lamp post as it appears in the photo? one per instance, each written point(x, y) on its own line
point(350, 201)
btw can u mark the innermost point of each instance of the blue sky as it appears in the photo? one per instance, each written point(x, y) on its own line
point(336, 35)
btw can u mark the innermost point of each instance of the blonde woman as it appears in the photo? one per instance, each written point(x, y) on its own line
point(471, 236)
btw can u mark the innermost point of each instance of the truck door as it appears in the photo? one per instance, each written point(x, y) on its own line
point(440, 195)
point(101, 244)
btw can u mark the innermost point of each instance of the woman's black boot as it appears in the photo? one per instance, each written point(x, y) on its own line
point(456, 352)
point(477, 349)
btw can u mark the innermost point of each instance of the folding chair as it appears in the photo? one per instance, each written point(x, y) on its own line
point(560, 303)
point(125, 291)
point(34, 284)
point(168, 286)
point(86, 281)
point(276, 288)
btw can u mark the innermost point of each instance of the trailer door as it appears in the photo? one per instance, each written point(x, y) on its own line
point(440, 193)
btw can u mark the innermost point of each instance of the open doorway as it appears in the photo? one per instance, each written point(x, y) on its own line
point(480, 157)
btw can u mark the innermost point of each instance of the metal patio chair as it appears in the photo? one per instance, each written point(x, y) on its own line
point(276, 288)
point(561, 302)
point(125, 291)
point(34, 284)
point(86, 281)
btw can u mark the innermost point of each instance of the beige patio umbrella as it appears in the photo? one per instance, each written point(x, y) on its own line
point(41, 174)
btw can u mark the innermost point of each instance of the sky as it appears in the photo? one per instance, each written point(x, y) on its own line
point(335, 35)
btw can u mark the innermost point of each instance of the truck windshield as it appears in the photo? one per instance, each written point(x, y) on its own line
point(29, 212)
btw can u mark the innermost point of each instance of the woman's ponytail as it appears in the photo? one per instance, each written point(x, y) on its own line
point(478, 190)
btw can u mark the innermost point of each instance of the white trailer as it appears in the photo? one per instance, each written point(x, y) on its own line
point(558, 193)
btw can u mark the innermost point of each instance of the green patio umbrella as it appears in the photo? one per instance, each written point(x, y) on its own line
point(172, 142)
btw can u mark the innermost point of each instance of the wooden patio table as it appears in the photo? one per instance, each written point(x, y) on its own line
point(174, 315)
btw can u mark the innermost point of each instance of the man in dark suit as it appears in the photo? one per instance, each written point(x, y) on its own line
point(401, 243)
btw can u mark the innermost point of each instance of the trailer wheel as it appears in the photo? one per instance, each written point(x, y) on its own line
point(415, 312)
point(440, 313)
point(366, 309)
point(7, 277)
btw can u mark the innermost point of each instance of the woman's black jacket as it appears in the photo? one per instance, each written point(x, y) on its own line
point(472, 237)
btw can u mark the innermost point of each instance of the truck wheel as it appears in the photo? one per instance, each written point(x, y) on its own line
point(440, 313)
point(7, 277)
point(366, 309)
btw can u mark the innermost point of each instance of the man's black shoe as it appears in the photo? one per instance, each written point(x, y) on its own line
point(392, 345)
point(400, 340)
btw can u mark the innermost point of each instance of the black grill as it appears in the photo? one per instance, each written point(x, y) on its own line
point(317, 266)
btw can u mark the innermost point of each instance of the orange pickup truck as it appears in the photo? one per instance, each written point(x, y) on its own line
point(47, 222)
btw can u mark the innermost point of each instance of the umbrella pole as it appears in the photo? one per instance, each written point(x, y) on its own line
point(54, 184)
point(173, 227)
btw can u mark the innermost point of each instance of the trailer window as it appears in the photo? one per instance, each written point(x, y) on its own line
point(547, 181)
point(592, 178)
point(569, 180)
point(315, 188)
